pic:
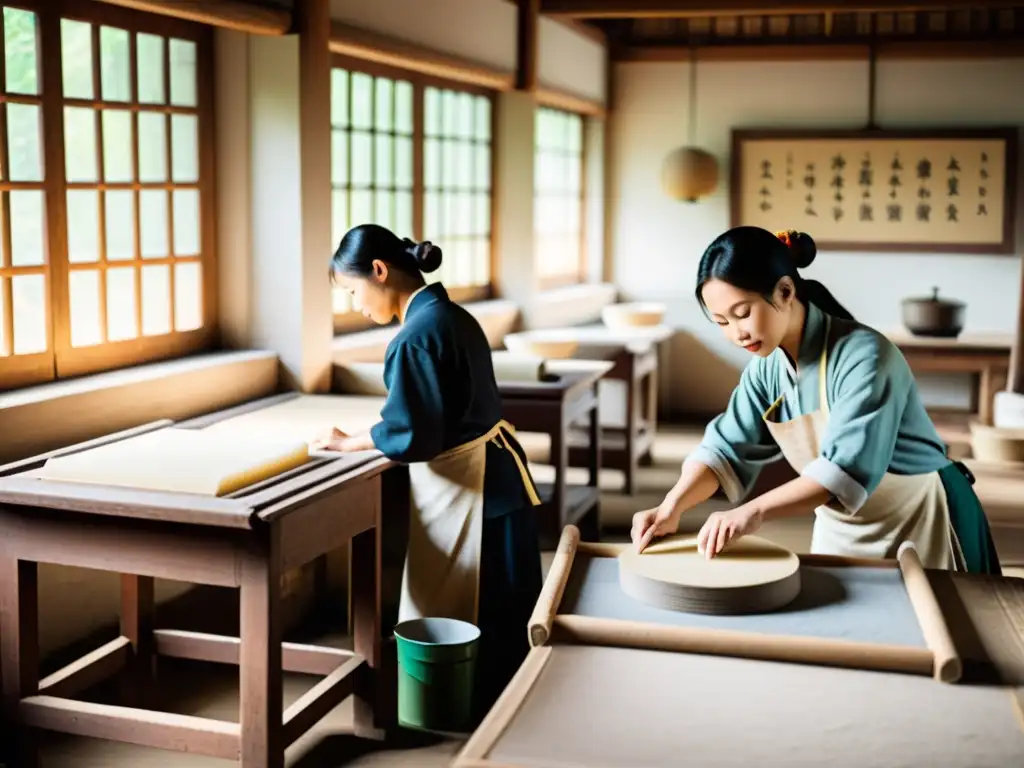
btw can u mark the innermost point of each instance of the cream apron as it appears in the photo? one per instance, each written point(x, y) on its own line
point(442, 567)
point(902, 507)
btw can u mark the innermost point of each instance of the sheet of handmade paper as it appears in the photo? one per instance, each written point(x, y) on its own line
point(597, 707)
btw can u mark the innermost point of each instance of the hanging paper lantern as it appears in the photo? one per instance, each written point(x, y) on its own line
point(689, 174)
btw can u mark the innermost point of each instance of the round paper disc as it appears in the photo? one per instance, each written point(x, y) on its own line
point(752, 575)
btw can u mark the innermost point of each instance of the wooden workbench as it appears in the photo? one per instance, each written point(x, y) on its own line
point(985, 356)
point(552, 407)
point(633, 353)
point(246, 541)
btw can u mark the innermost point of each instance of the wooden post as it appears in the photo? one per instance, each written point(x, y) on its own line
point(527, 26)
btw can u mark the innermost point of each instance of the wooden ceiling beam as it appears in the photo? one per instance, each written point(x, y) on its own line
point(231, 14)
point(641, 9)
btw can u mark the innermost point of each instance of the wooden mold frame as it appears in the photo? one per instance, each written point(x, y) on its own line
point(940, 659)
point(246, 541)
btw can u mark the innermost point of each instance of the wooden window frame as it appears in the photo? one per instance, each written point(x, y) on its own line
point(61, 360)
point(551, 282)
point(353, 321)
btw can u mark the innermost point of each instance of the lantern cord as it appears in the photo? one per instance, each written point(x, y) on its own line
point(692, 129)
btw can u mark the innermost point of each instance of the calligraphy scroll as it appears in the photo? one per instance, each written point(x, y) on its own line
point(929, 191)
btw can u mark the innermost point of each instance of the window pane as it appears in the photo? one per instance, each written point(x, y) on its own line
point(185, 148)
point(80, 144)
point(149, 51)
point(120, 224)
point(83, 211)
point(156, 299)
point(339, 157)
point(383, 204)
point(115, 64)
point(362, 208)
point(384, 105)
point(362, 100)
point(339, 97)
point(383, 161)
point(27, 228)
point(183, 73)
point(21, 52)
point(84, 297)
point(186, 222)
point(24, 142)
point(118, 148)
point(482, 122)
point(121, 303)
point(153, 222)
point(76, 62)
point(362, 160)
point(432, 112)
point(403, 163)
point(432, 163)
point(29, 303)
point(339, 215)
point(188, 297)
point(403, 214)
point(403, 107)
point(152, 147)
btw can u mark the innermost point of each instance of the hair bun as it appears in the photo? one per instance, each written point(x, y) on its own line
point(801, 247)
point(427, 256)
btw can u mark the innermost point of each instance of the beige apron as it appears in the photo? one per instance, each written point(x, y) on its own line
point(442, 567)
point(902, 508)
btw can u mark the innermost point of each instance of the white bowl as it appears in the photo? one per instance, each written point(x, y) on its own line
point(548, 348)
point(633, 315)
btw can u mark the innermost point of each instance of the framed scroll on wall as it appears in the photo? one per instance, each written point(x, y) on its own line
point(948, 191)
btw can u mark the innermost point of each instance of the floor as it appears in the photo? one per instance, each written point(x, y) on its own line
point(211, 690)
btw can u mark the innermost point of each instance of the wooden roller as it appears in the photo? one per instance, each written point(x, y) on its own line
point(948, 666)
point(554, 587)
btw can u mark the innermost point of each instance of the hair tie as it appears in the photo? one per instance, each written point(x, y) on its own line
point(786, 237)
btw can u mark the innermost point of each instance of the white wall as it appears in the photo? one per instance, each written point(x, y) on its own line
point(657, 243)
point(484, 31)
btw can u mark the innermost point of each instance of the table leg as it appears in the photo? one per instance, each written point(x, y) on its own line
point(19, 656)
point(261, 709)
point(632, 425)
point(560, 461)
point(375, 690)
point(986, 396)
point(651, 408)
point(591, 524)
point(137, 624)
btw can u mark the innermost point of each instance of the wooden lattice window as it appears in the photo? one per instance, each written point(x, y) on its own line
point(559, 235)
point(108, 259)
point(414, 155)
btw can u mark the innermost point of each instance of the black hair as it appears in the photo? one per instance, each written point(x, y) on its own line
point(364, 244)
point(754, 259)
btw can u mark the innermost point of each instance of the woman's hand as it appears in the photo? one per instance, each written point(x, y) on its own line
point(723, 527)
point(652, 523)
point(335, 440)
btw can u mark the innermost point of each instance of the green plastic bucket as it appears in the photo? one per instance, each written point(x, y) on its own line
point(436, 667)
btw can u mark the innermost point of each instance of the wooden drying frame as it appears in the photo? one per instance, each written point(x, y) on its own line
point(939, 659)
point(740, 137)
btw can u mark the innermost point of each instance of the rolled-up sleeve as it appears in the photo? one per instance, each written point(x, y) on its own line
point(871, 384)
point(737, 443)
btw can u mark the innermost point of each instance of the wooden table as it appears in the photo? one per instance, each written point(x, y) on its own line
point(985, 357)
point(247, 541)
point(551, 407)
point(634, 357)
